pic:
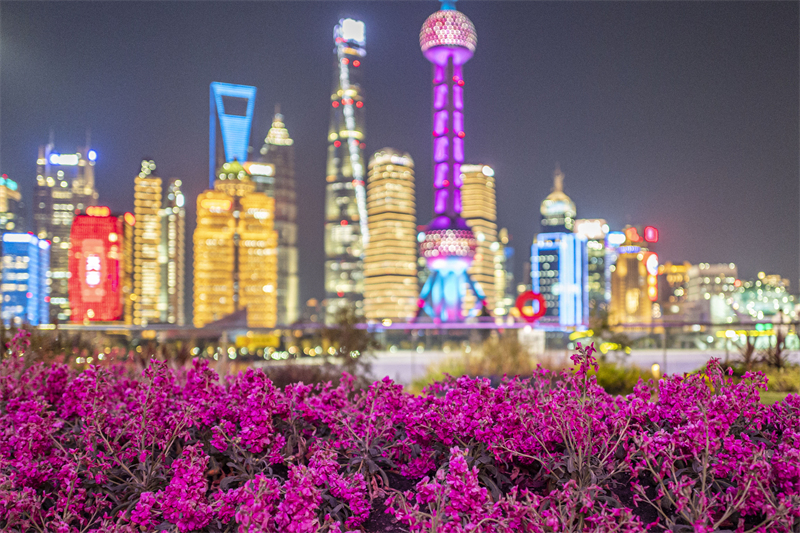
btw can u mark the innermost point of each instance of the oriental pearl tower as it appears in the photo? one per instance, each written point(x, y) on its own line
point(448, 40)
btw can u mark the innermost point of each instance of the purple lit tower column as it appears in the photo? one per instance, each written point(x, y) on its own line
point(448, 41)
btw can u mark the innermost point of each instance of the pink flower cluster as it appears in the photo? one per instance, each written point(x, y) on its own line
point(98, 451)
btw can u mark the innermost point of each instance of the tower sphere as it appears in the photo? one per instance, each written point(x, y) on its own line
point(450, 28)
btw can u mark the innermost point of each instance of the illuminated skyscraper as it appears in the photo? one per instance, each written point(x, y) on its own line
point(634, 279)
point(558, 210)
point(10, 201)
point(214, 258)
point(559, 274)
point(235, 259)
point(505, 288)
point(346, 233)
point(257, 245)
point(448, 40)
point(26, 262)
point(147, 239)
point(172, 254)
point(479, 209)
point(231, 118)
point(96, 266)
point(128, 225)
point(595, 231)
point(390, 262)
point(64, 185)
point(279, 153)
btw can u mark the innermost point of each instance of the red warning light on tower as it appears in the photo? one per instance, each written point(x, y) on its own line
point(650, 234)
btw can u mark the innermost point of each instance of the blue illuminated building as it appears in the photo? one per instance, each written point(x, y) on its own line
point(559, 267)
point(231, 117)
point(26, 262)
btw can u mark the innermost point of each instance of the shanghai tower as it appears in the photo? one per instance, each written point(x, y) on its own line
point(346, 232)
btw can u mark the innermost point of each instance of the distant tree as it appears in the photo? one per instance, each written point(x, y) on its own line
point(353, 345)
point(598, 323)
point(776, 355)
point(747, 353)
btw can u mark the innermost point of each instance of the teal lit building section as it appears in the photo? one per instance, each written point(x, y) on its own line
point(559, 267)
point(231, 117)
point(26, 263)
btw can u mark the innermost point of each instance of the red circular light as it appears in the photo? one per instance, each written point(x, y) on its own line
point(345, 61)
point(356, 63)
point(455, 78)
point(335, 104)
point(530, 296)
point(461, 83)
point(362, 146)
point(337, 144)
point(359, 104)
point(446, 183)
point(435, 134)
point(343, 222)
point(461, 134)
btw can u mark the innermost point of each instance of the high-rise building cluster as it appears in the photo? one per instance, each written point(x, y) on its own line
point(81, 263)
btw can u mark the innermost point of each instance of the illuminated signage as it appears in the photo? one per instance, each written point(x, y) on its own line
point(614, 239)
point(650, 234)
point(95, 266)
point(64, 159)
point(98, 211)
point(633, 235)
point(651, 265)
point(11, 184)
point(259, 169)
point(215, 205)
point(531, 296)
point(351, 30)
point(594, 229)
point(629, 250)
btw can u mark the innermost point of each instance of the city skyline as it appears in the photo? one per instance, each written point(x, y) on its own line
point(682, 144)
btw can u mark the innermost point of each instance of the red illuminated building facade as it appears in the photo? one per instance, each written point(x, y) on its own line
point(96, 266)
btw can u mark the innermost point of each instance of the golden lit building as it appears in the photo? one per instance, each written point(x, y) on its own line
point(258, 260)
point(213, 258)
point(147, 238)
point(634, 282)
point(479, 209)
point(129, 223)
point(235, 251)
point(390, 261)
point(171, 254)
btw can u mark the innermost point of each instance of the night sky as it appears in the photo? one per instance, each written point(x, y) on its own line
point(679, 115)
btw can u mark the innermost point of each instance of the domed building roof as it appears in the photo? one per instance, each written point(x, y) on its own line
point(557, 204)
point(448, 27)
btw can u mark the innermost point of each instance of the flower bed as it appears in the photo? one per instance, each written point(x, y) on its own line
point(178, 451)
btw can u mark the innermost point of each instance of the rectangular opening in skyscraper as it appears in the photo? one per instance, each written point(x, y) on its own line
point(232, 105)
